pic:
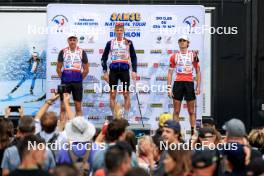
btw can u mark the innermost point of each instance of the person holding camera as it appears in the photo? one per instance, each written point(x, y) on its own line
point(72, 68)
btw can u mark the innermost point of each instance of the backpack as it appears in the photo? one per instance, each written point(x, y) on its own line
point(81, 163)
point(50, 141)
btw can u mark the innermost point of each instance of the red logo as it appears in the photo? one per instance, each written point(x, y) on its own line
point(155, 65)
point(101, 105)
point(101, 51)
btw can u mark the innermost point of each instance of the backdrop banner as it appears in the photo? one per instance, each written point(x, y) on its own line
point(154, 31)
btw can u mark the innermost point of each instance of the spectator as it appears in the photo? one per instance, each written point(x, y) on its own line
point(11, 159)
point(66, 170)
point(206, 137)
point(6, 136)
point(172, 132)
point(137, 172)
point(31, 158)
point(115, 132)
point(178, 162)
point(171, 135)
point(117, 160)
point(204, 162)
point(79, 132)
point(235, 161)
point(236, 133)
point(131, 139)
point(146, 153)
point(256, 167)
point(256, 140)
point(208, 123)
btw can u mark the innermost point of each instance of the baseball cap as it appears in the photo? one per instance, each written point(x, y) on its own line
point(119, 25)
point(203, 131)
point(172, 124)
point(72, 35)
point(204, 158)
point(208, 120)
point(184, 37)
point(235, 128)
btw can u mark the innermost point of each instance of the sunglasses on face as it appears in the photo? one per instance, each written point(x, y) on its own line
point(182, 40)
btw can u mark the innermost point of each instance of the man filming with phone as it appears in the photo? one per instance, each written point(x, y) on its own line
point(72, 68)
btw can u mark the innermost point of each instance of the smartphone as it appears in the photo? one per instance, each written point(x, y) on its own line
point(14, 108)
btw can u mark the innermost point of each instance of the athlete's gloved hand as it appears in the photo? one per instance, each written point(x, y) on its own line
point(134, 75)
point(106, 77)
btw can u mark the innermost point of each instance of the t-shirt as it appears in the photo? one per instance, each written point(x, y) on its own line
point(72, 64)
point(184, 64)
point(11, 159)
point(99, 159)
point(26, 172)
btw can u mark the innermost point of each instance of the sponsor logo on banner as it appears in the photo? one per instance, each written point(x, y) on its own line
point(81, 39)
point(93, 117)
point(141, 64)
point(161, 78)
point(140, 51)
point(171, 51)
point(170, 105)
point(55, 77)
point(157, 65)
point(53, 63)
point(86, 22)
point(181, 118)
point(59, 21)
point(88, 104)
point(137, 119)
point(89, 91)
point(156, 105)
point(93, 64)
point(127, 34)
point(101, 51)
point(142, 78)
point(103, 104)
point(54, 50)
point(157, 51)
point(191, 22)
point(89, 51)
point(143, 92)
point(125, 17)
point(132, 23)
point(91, 79)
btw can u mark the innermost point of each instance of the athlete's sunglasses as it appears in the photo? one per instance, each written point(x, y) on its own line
point(182, 40)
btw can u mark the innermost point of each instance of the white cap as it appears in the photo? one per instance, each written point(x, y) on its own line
point(70, 35)
point(184, 37)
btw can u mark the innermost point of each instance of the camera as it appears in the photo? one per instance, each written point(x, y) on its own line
point(61, 90)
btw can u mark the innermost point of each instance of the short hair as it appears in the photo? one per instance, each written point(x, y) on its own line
point(115, 129)
point(114, 157)
point(66, 170)
point(256, 139)
point(131, 139)
point(26, 125)
point(49, 122)
point(136, 172)
point(24, 145)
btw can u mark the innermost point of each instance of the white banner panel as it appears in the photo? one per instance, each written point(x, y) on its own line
point(154, 31)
